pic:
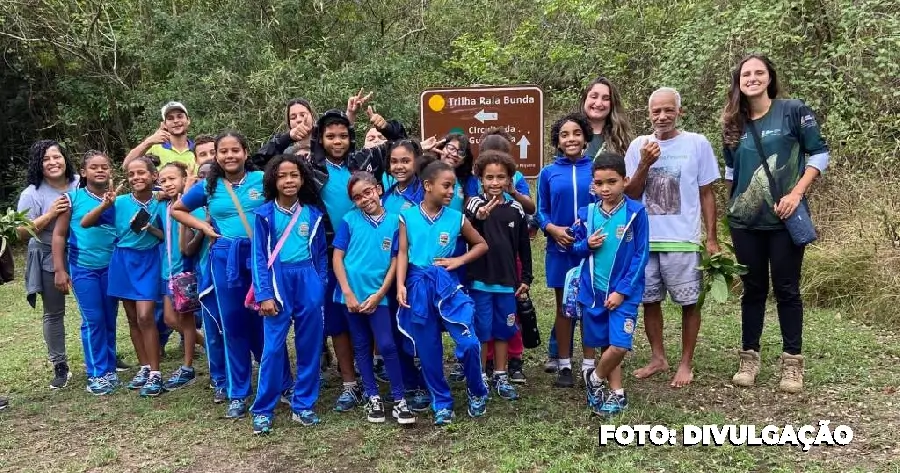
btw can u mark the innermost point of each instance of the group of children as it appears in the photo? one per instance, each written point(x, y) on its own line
point(382, 248)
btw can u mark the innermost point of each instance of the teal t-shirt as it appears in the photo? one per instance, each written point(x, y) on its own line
point(296, 247)
point(368, 245)
point(459, 198)
point(596, 145)
point(789, 134)
point(431, 238)
point(172, 231)
point(201, 258)
point(613, 225)
point(90, 248)
point(221, 208)
point(334, 194)
point(126, 207)
point(396, 201)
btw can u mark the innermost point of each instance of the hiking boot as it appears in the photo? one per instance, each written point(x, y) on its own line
point(402, 413)
point(61, 375)
point(375, 410)
point(749, 369)
point(516, 374)
point(791, 373)
point(564, 379)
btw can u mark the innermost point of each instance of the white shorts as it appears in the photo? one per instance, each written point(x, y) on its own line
point(673, 272)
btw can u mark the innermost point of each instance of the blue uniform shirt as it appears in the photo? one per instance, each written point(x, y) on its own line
point(613, 225)
point(474, 187)
point(127, 206)
point(180, 262)
point(431, 238)
point(225, 217)
point(396, 201)
point(296, 247)
point(201, 259)
point(459, 198)
point(90, 248)
point(334, 194)
point(368, 244)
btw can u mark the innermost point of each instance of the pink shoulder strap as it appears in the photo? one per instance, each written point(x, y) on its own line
point(285, 234)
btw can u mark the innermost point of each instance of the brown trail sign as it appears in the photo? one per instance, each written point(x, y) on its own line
point(473, 110)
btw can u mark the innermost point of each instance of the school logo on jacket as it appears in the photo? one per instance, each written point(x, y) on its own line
point(386, 244)
point(444, 238)
point(303, 229)
point(628, 328)
point(622, 234)
point(254, 194)
point(510, 320)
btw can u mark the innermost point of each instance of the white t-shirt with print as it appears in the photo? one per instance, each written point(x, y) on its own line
point(672, 190)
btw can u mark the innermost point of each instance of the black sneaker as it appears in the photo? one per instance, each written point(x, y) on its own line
point(402, 413)
point(375, 410)
point(4, 403)
point(564, 379)
point(120, 363)
point(516, 375)
point(61, 375)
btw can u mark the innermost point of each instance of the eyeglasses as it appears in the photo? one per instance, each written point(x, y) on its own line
point(452, 149)
point(367, 193)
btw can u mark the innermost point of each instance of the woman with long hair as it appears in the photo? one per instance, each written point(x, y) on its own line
point(602, 105)
point(762, 196)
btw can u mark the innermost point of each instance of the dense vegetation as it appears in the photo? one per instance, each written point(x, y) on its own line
point(94, 74)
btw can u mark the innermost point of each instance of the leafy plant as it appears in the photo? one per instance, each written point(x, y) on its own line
point(718, 271)
point(10, 221)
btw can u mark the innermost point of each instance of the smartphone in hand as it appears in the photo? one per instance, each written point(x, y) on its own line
point(140, 221)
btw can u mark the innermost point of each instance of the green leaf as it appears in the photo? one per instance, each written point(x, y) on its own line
point(719, 289)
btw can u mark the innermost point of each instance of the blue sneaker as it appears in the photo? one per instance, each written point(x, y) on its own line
point(307, 418)
point(140, 379)
point(113, 379)
point(262, 424)
point(457, 374)
point(380, 371)
point(443, 417)
point(477, 405)
point(219, 396)
point(237, 409)
point(180, 378)
point(504, 388)
point(153, 387)
point(614, 405)
point(418, 400)
point(349, 398)
point(286, 396)
point(99, 386)
point(596, 393)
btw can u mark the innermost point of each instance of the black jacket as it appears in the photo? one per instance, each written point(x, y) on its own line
point(506, 232)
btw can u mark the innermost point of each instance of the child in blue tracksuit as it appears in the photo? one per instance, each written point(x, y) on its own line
point(290, 291)
point(613, 237)
point(564, 187)
point(134, 268)
point(229, 257)
point(89, 251)
point(431, 298)
point(365, 264)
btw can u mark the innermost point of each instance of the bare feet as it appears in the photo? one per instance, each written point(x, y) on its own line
point(683, 376)
point(655, 366)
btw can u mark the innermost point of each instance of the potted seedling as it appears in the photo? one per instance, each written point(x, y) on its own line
point(10, 222)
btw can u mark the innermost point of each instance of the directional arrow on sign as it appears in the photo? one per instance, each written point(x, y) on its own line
point(483, 116)
point(523, 147)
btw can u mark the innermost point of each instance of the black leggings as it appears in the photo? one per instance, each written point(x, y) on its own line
point(758, 250)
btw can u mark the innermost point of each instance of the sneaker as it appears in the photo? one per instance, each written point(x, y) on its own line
point(748, 370)
point(403, 414)
point(153, 387)
point(262, 424)
point(503, 388)
point(349, 398)
point(564, 379)
point(140, 379)
point(380, 371)
point(487, 382)
point(237, 409)
point(477, 406)
point(443, 417)
point(457, 374)
point(113, 379)
point(306, 418)
point(219, 396)
point(180, 378)
point(61, 375)
point(375, 410)
point(287, 396)
point(418, 400)
point(791, 373)
point(551, 365)
point(614, 405)
point(121, 365)
point(516, 374)
point(596, 393)
point(99, 386)
point(4, 403)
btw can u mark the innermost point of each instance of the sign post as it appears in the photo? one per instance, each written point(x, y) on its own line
point(472, 110)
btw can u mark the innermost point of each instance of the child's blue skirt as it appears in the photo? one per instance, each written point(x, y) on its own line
point(134, 275)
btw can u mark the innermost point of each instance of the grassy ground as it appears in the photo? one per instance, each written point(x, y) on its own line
point(852, 378)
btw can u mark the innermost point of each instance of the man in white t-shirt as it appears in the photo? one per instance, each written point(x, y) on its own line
point(673, 172)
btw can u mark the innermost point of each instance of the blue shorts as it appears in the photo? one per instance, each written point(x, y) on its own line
point(336, 322)
point(134, 274)
point(495, 315)
point(556, 265)
point(602, 328)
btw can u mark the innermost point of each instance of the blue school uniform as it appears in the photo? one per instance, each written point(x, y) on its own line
point(89, 253)
point(175, 262)
point(230, 275)
point(437, 301)
point(396, 200)
point(458, 202)
point(617, 266)
point(337, 204)
point(563, 188)
point(134, 266)
point(474, 187)
point(296, 282)
point(369, 246)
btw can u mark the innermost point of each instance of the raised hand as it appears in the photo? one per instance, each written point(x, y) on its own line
point(301, 131)
point(596, 239)
point(375, 119)
point(650, 152)
point(485, 210)
point(431, 143)
point(160, 136)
